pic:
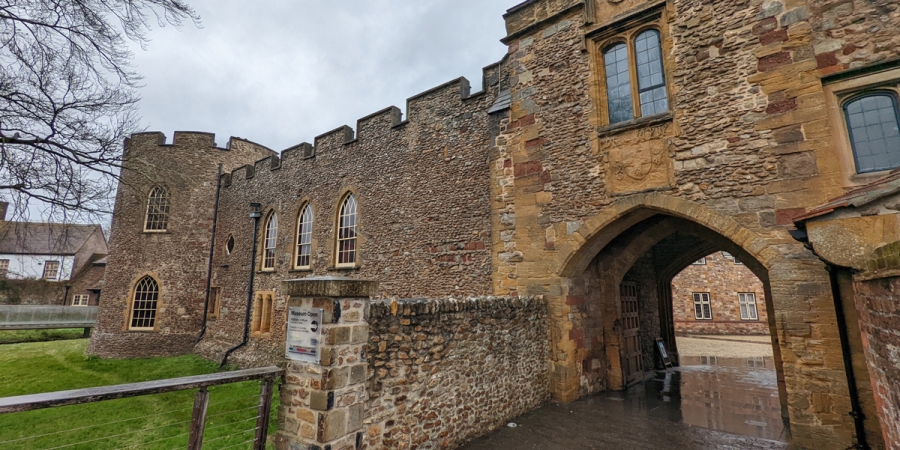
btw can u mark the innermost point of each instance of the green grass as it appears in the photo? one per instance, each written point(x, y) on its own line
point(17, 336)
point(159, 421)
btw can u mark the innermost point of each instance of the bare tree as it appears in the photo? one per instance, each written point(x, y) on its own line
point(68, 100)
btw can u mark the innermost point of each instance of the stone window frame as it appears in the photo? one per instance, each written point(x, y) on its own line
point(295, 256)
point(4, 268)
point(708, 302)
point(263, 263)
point(742, 300)
point(229, 244)
point(626, 31)
point(80, 300)
point(157, 220)
point(47, 274)
point(844, 88)
point(263, 313)
point(347, 193)
point(215, 303)
point(132, 299)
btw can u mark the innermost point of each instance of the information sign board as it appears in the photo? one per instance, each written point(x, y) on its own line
point(304, 334)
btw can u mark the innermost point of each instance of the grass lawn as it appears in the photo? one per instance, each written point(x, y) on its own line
point(159, 421)
point(16, 336)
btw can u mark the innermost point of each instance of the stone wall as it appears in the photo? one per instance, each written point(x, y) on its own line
point(876, 297)
point(424, 208)
point(442, 372)
point(32, 292)
point(723, 280)
point(179, 257)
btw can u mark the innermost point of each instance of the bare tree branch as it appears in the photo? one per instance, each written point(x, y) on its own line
point(68, 99)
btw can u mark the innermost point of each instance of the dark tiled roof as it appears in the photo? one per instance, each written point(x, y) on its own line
point(880, 188)
point(43, 238)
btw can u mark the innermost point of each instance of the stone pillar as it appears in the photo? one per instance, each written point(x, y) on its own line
point(323, 405)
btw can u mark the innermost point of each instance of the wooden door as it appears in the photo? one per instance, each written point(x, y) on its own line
point(632, 359)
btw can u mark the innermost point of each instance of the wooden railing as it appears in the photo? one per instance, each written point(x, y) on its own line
point(266, 376)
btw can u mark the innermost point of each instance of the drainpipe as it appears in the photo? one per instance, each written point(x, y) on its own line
point(855, 408)
point(212, 247)
point(255, 215)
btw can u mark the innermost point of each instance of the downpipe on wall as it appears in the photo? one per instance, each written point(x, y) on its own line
point(256, 214)
point(855, 407)
point(212, 247)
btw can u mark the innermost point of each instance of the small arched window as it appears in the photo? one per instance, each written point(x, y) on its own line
point(873, 121)
point(157, 210)
point(229, 245)
point(651, 81)
point(304, 237)
point(618, 84)
point(346, 238)
point(143, 308)
point(269, 242)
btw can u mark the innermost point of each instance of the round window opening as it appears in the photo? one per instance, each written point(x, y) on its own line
point(229, 246)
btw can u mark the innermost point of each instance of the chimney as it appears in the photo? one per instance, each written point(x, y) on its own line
point(3, 207)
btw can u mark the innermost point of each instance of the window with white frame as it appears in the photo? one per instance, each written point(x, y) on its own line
point(702, 307)
point(346, 238)
point(157, 210)
point(747, 301)
point(80, 300)
point(143, 307)
point(269, 242)
point(4, 268)
point(304, 238)
point(51, 270)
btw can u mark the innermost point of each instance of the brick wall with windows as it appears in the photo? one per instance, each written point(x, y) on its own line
point(726, 284)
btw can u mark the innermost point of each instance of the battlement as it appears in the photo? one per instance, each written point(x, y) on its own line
point(441, 103)
point(531, 15)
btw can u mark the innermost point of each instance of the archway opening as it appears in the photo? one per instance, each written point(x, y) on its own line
point(631, 310)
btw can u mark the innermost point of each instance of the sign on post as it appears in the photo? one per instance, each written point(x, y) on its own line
point(304, 334)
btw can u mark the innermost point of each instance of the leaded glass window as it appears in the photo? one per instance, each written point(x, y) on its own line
point(702, 306)
point(143, 309)
point(618, 84)
point(651, 79)
point(157, 210)
point(269, 242)
point(747, 302)
point(346, 244)
point(304, 237)
point(874, 127)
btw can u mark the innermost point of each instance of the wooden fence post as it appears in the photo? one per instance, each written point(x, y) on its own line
point(198, 421)
point(265, 409)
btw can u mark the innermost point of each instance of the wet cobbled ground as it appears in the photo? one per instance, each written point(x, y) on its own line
point(709, 402)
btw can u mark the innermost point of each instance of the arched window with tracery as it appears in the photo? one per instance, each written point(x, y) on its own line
point(269, 242)
point(304, 237)
point(346, 237)
point(143, 307)
point(157, 210)
point(873, 121)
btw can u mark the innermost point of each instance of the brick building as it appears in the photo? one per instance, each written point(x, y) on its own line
point(718, 294)
point(613, 145)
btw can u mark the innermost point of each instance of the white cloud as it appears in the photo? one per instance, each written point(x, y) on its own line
point(282, 72)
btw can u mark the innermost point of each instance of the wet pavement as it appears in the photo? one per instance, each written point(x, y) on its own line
point(709, 402)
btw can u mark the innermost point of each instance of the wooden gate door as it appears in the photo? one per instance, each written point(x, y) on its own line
point(632, 359)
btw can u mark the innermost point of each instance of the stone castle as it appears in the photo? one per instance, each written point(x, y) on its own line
point(616, 143)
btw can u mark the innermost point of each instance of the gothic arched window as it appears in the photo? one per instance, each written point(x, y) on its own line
point(269, 242)
point(157, 210)
point(143, 307)
point(346, 237)
point(304, 237)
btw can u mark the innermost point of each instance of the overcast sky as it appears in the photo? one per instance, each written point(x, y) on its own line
point(281, 72)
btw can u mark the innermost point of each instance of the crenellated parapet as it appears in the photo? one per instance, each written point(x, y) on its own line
point(431, 111)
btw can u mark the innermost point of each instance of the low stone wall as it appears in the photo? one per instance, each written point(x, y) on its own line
point(444, 371)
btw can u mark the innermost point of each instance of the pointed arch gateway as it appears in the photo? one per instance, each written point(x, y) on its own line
point(590, 265)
